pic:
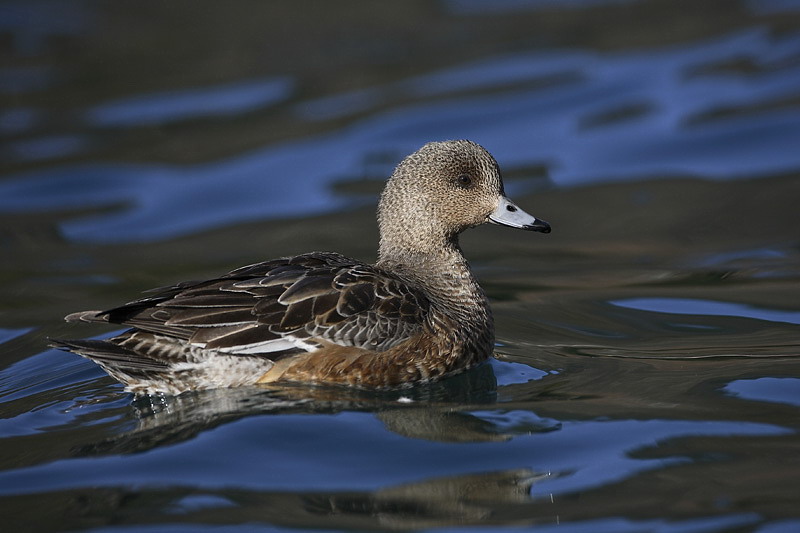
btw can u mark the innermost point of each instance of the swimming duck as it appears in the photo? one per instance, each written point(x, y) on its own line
point(417, 314)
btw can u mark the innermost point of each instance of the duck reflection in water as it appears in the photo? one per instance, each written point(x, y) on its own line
point(442, 411)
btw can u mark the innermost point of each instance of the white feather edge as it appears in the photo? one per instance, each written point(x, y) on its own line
point(274, 345)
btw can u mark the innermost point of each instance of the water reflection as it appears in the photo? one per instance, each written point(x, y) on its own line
point(476, 449)
point(19, 120)
point(478, 7)
point(781, 390)
point(174, 106)
point(341, 477)
point(588, 117)
point(352, 431)
point(688, 306)
point(666, 412)
point(465, 500)
point(33, 24)
point(773, 6)
point(43, 148)
point(14, 80)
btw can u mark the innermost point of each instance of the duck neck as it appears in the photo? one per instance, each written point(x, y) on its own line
point(446, 275)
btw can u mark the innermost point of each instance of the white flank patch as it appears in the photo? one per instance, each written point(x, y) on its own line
point(274, 345)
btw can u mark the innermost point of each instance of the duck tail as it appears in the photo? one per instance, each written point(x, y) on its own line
point(87, 316)
point(108, 354)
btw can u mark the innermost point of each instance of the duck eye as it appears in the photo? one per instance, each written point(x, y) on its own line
point(464, 180)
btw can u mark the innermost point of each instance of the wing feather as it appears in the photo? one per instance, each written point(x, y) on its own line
point(284, 305)
point(211, 317)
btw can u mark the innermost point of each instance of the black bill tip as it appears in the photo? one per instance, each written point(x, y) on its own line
point(540, 225)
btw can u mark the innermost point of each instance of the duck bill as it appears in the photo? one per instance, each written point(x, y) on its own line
point(508, 214)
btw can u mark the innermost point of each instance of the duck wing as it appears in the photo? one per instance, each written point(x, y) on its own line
point(281, 307)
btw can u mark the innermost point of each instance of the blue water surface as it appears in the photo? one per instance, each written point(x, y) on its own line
point(594, 392)
point(556, 125)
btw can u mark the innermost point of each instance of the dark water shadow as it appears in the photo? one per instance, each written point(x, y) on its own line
point(433, 411)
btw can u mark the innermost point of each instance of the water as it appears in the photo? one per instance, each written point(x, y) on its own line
point(646, 374)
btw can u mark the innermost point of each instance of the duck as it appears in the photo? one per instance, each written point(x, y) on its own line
point(416, 315)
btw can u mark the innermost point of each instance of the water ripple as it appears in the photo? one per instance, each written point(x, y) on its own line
point(652, 113)
point(173, 106)
point(691, 306)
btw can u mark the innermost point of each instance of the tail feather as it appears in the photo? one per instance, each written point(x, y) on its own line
point(148, 364)
point(87, 316)
point(110, 354)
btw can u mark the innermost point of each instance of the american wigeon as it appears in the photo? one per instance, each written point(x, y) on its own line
point(418, 314)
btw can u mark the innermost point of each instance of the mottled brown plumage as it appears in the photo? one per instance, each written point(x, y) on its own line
point(418, 314)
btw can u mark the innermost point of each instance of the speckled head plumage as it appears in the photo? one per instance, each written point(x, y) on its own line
point(439, 191)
